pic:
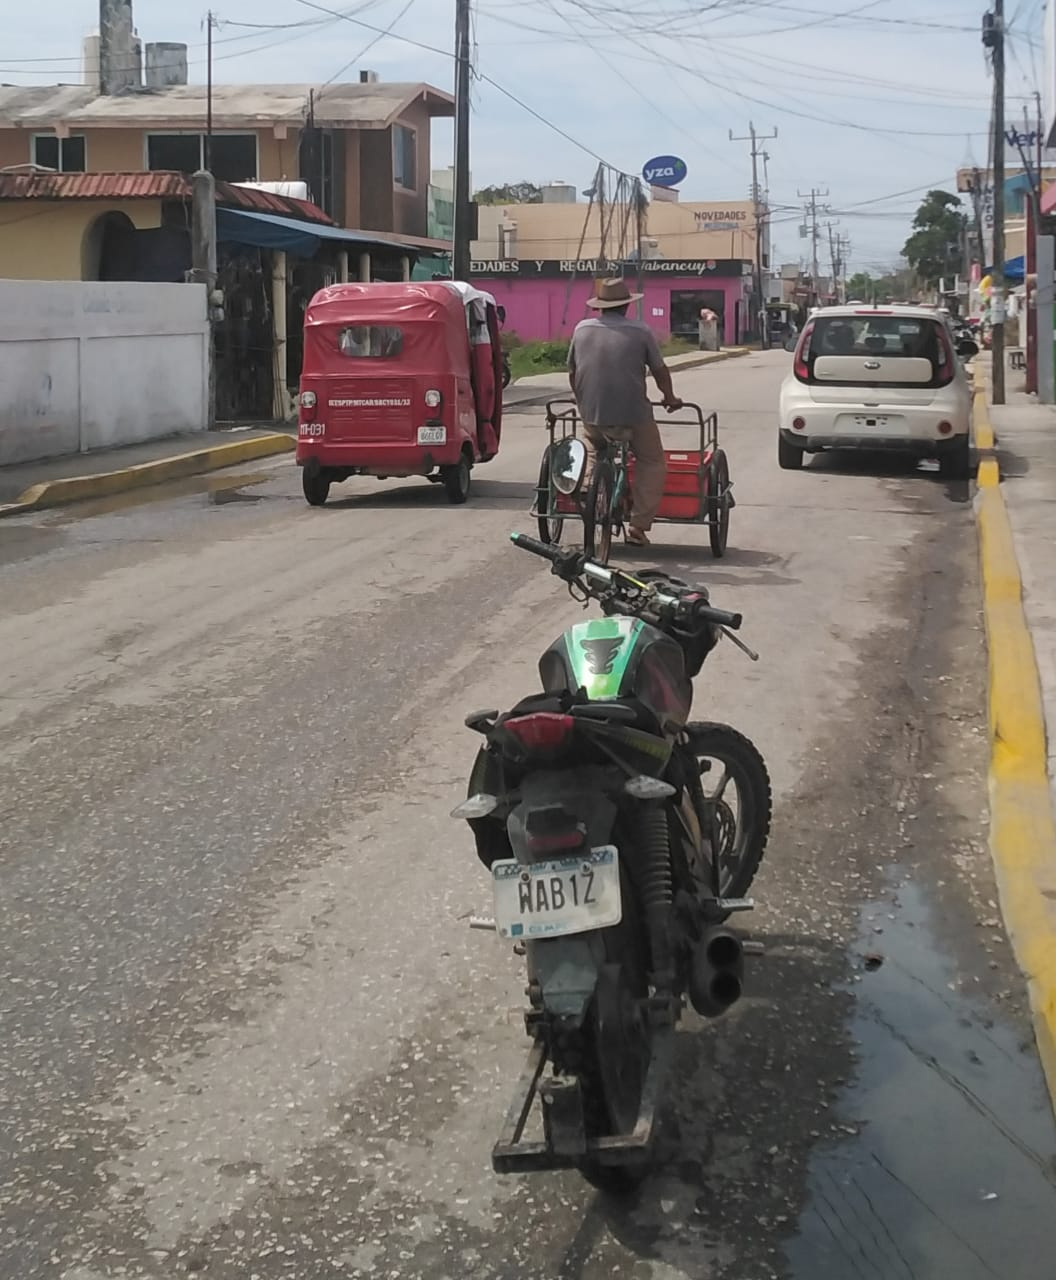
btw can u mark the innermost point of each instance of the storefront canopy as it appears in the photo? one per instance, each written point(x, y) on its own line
point(294, 236)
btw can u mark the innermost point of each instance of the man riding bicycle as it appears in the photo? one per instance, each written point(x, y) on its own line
point(607, 363)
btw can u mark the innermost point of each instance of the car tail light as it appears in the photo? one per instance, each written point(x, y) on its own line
point(798, 424)
point(799, 363)
point(543, 732)
point(945, 428)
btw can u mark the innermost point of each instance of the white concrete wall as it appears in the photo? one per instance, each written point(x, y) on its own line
point(89, 366)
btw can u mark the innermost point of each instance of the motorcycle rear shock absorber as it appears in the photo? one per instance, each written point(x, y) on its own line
point(654, 882)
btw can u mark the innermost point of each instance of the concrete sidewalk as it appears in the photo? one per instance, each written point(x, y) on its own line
point(1025, 434)
point(52, 482)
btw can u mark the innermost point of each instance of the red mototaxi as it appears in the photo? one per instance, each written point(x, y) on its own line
point(399, 380)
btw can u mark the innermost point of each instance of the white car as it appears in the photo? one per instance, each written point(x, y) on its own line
point(887, 378)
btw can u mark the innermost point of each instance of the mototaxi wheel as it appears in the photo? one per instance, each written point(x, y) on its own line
point(456, 481)
point(315, 484)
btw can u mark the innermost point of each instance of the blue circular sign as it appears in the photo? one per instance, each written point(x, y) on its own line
point(664, 171)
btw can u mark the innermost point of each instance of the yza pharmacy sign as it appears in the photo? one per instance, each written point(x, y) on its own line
point(664, 171)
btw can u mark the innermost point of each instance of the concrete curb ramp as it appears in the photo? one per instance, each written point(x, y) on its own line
point(56, 493)
point(1022, 830)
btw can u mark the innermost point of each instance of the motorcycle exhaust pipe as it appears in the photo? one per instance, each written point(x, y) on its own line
point(716, 977)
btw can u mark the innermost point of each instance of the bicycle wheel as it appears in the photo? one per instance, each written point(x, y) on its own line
point(550, 525)
point(597, 514)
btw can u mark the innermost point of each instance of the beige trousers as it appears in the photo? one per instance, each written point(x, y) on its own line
point(650, 466)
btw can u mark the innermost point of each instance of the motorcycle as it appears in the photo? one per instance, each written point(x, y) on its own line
point(614, 867)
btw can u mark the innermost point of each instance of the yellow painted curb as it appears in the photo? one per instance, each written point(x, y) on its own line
point(1022, 828)
point(56, 493)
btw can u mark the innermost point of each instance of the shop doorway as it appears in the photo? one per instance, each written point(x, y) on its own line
point(686, 306)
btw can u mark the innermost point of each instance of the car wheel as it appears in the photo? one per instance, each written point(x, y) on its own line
point(789, 457)
point(956, 464)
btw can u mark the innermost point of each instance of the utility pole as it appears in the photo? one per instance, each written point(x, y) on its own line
point(210, 23)
point(812, 212)
point(758, 207)
point(994, 39)
point(463, 231)
point(834, 256)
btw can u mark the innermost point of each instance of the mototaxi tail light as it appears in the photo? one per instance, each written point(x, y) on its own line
point(542, 732)
point(433, 399)
point(308, 400)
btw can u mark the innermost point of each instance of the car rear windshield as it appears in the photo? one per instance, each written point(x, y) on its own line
point(370, 341)
point(878, 337)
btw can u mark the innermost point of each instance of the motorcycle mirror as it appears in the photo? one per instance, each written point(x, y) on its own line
point(568, 463)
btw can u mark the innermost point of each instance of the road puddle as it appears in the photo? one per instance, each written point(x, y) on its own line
point(948, 1165)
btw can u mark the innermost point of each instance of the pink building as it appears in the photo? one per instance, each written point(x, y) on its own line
point(546, 299)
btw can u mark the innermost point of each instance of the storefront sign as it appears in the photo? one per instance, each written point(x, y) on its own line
point(664, 171)
point(720, 219)
point(555, 268)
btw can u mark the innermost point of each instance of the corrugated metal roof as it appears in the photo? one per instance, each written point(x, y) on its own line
point(150, 186)
point(234, 106)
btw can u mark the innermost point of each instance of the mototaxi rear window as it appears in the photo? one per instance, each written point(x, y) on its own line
point(370, 341)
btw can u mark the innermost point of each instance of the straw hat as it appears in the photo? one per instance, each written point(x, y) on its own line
point(612, 293)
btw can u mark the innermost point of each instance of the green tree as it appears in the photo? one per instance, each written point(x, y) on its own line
point(934, 250)
point(511, 193)
point(861, 286)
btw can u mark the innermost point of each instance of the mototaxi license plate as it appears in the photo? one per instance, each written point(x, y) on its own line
point(432, 435)
point(562, 896)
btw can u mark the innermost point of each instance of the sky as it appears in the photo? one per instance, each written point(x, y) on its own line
point(874, 101)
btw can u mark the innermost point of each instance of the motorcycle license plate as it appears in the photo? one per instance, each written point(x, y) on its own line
point(432, 435)
point(550, 899)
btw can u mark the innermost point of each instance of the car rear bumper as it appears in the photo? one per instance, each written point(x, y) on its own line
point(920, 447)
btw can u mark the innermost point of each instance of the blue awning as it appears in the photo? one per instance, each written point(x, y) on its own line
point(1015, 268)
point(293, 235)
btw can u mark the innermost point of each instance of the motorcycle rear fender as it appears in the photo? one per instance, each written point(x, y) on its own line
point(566, 969)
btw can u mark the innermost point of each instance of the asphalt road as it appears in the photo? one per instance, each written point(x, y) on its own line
point(246, 1031)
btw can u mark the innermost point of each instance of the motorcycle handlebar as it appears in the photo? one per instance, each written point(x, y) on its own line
point(570, 564)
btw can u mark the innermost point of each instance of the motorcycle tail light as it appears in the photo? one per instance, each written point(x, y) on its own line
point(433, 399)
point(541, 733)
point(307, 399)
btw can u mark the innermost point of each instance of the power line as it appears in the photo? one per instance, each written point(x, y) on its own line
point(447, 53)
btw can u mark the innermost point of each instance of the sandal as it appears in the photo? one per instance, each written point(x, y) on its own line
point(636, 537)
